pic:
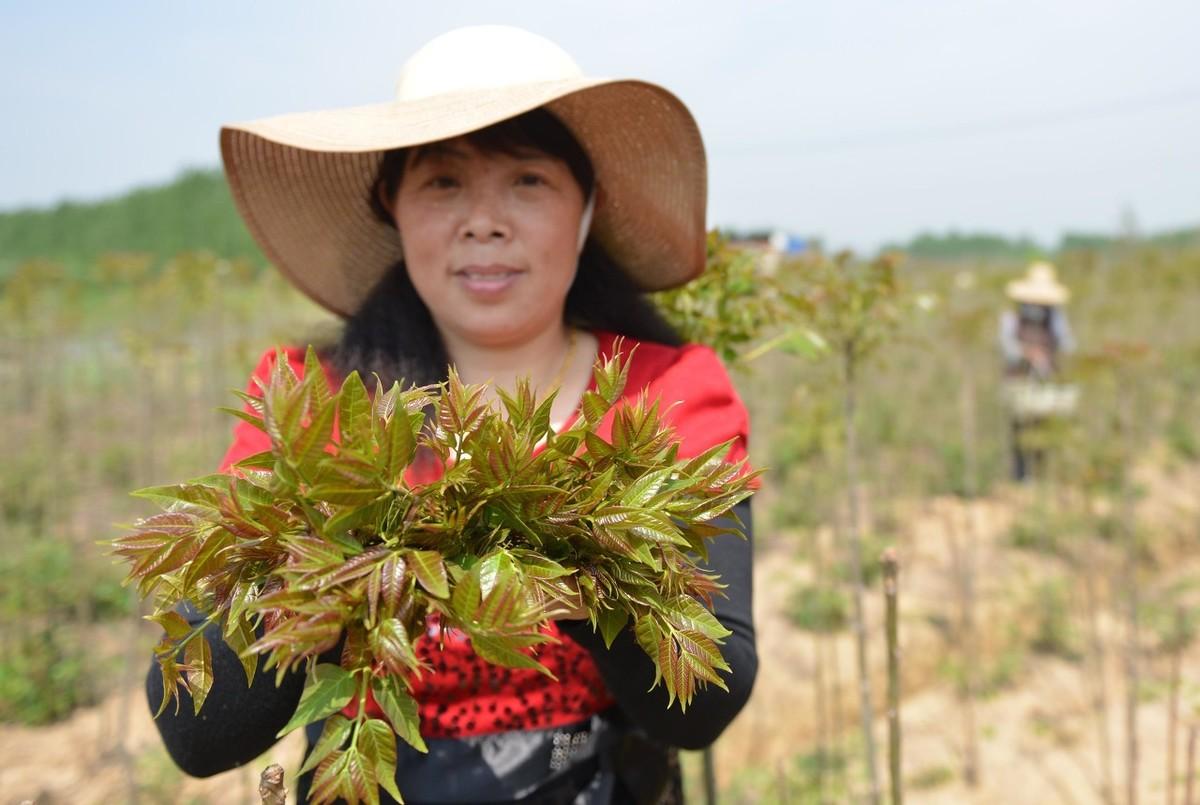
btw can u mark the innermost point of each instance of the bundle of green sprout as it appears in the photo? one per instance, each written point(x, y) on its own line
point(321, 539)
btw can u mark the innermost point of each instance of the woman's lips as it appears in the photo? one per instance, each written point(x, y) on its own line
point(489, 280)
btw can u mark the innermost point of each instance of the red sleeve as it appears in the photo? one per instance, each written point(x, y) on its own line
point(693, 389)
point(701, 404)
point(247, 439)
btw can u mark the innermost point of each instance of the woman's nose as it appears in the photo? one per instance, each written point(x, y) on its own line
point(485, 218)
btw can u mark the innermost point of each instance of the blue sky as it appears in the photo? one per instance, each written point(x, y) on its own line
point(858, 121)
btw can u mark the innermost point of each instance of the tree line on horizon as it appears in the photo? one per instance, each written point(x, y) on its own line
point(195, 212)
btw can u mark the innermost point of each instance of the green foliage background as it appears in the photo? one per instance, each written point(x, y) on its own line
point(194, 212)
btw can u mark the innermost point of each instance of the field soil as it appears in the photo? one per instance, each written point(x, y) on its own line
point(1039, 738)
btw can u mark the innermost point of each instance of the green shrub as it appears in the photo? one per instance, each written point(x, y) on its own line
point(873, 545)
point(818, 609)
point(804, 779)
point(1183, 439)
point(993, 672)
point(51, 599)
point(43, 677)
point(1054, 533)
point(1053, 633)
point(931, 777)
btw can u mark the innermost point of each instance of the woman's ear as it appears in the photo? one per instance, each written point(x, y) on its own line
point(386, 204)
point(385, 209)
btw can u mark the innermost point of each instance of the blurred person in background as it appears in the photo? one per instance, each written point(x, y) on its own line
point(1034, 333)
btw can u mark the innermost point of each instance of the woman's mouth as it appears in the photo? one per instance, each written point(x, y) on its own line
point(489, 280)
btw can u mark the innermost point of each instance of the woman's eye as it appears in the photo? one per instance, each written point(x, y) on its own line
point(442, 182)
point(531, 179)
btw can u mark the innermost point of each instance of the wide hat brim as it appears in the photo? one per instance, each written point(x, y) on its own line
point(301, 182)
point(1038, 291)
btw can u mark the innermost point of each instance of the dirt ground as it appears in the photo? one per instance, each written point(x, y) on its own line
point(1039, 736)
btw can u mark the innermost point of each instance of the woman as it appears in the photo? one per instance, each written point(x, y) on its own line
point(501, 217)
point(1033, 336)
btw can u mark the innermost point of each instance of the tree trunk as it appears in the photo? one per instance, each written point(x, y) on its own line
point(890, 593)
point(1173, 701)
point(1190, 789)
point(866, 710)
point(820, 691)
point(1132, 646)
point(1100, 699)
point(969, 683)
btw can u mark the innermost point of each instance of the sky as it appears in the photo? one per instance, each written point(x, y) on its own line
point(861, 122)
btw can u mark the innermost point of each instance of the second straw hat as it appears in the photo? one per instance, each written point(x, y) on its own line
point(301, 181)
point(1039, 286)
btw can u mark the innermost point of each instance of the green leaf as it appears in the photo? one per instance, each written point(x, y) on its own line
point(669, 666)
point(309, 448)
point(174, 624)
point(400, 709)
point(360, 778)
point(597, 447)
point(240, 638)
point(207, 559)
point(539, 424)
point(804, 342)
point(390, 644)
point(400, 445)
point(363, 516)
point(329, 688)
point(594, 406)
point(393, 584)
point(645, 487)
point(314, 375)
point(501, 651)
point(377, 745)
point(702, 656)
point(354, 413)
point(197, 494)
point(430, 571)
point(502, 607)
point(344, 494)
point(536, 566)
point(329, 780)
point(333, 735)
point(198, 657)
point(648, 636)
point(171, 675)
point(252, 402)
point(465, 599)
point(688, 613)
point(489, 569)
point(611, 622)
point(244, 415)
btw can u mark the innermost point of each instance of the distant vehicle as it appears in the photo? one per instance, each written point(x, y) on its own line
point(771, 247)
point(785, 243)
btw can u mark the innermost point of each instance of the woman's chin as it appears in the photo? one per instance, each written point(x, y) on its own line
point(494, 332)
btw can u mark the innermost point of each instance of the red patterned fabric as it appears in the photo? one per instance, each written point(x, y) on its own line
point(463, 695)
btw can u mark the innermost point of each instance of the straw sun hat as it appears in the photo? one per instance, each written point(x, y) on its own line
point(1039, 286)
point(301, 181)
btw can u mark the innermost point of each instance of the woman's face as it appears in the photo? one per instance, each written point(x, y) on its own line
point(490, 239)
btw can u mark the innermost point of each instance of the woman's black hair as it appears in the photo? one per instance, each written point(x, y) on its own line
point(392, 334)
